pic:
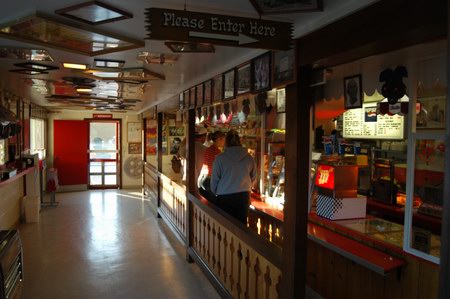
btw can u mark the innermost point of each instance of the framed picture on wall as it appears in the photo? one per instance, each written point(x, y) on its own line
point(218, 88)
point(353, 92)
point(181, 101)
point(199, 89)
point(207, 93)
point(192, 97)
point(243, 80)
point(134, 132)
point(283, 68)
point(134, 148)
point(281, 100)
point(186, 101)
point(261, 72)
point(228, 79)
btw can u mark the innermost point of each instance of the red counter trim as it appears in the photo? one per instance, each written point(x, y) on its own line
point(366, 256)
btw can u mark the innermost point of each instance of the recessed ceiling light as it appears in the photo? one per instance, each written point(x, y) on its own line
point(28, 72)
point(104, 74)
point(36, 66)
point(84, 90)
point(76, 66)
point(109, 63)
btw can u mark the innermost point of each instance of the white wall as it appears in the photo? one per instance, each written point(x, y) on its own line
point(127, 181)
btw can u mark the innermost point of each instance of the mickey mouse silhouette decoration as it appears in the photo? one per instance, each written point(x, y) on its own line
point(393, 88)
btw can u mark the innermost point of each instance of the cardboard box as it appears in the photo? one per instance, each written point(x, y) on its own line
point(341, 208)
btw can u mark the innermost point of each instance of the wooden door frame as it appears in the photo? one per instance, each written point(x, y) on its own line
point(118, 121)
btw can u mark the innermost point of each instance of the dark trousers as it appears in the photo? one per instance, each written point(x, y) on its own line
point(235, 204)
point(205, 189)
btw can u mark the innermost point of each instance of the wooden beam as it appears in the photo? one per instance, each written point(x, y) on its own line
point(190, 181)
point(384, 26)
point(159, 157)
point(444, 275)
point(298, 122)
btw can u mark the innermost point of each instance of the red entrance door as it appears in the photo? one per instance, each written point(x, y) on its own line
point(70, 151)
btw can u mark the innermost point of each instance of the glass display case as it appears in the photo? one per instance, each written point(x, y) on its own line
point(275, 170)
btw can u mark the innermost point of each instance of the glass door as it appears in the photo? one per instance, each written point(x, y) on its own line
point(104, 154)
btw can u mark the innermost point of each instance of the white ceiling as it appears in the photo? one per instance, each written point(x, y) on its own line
point(189, 70)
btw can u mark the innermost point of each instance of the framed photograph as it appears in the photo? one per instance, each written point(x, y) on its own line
point(181, 101)
point(286, 6)
point(175, 144)
point(353, 95)
point(199, 89)
point(186, 101)
point(192, 97)
point(218, 88)
point(207, 93)
point(228, 79)
point(135, 148)
point(261, 72)
point(176, 131)
point(281, 100)
point(430, 112)
point(243, 78)
point(283, 68)
point(151, 139)
point(134, 131)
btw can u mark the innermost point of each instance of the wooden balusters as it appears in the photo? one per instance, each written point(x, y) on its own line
point(237, 265)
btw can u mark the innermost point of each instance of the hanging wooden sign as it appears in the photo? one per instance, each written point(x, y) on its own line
point(180, 25)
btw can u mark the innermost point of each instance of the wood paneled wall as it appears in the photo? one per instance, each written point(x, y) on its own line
point(236, 264)
point(11, 204)
point(334, 277)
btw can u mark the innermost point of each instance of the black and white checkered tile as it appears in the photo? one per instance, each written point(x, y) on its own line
point(327, 206)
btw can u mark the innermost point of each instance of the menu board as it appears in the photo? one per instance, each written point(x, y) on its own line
point(365, 123)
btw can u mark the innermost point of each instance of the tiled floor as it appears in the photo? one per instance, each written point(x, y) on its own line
point(106, 244)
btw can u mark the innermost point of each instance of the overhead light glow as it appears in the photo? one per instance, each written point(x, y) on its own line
point(76, 66)
point(84, 90)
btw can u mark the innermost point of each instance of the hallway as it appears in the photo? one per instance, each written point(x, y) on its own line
point(106, 244)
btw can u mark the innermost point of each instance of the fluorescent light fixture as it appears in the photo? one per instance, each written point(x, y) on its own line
point(108, 63)
point(75, 66)
point(28, 72)
point(36, 66)
point(104, 74)
point(84, 90)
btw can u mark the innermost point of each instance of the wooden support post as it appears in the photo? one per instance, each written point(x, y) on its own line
point(159, 157)
point(298, 104)
point(190, 181)
point(444, 275)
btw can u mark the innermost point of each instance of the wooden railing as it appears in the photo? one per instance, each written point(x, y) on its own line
point(243, 264)
point(151, 183)
point(246, 265)
point(265, 225)
point(173, 204)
